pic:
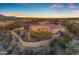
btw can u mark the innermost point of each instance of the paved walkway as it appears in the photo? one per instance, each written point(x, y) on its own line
point(31, 44)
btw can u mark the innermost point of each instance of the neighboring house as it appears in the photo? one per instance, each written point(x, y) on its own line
point(4, 23)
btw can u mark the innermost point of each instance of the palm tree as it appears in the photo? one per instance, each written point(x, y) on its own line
point(28, 31)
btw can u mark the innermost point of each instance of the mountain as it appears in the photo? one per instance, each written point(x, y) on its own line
point(13, 15)
point(52, 16)
point(4, 16)
point(18, 15)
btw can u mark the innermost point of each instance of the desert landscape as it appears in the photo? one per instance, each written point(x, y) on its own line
point(39, 33)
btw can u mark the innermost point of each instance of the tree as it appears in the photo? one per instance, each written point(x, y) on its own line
point(67, 36)
point(63, 45)
point(65, 23)
point(46, 50)
point(74, 29)
point(54, 21)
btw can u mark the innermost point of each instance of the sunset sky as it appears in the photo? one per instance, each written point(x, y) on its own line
point(40, 9)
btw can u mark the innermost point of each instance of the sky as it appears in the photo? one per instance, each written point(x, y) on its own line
point(40, 9)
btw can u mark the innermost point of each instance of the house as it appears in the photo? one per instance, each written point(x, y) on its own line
point(38, 28)
point(48, 28)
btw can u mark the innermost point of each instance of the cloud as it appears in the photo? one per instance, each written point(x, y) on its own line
point(77, 11)
point(72, 5)
point(57, 5)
